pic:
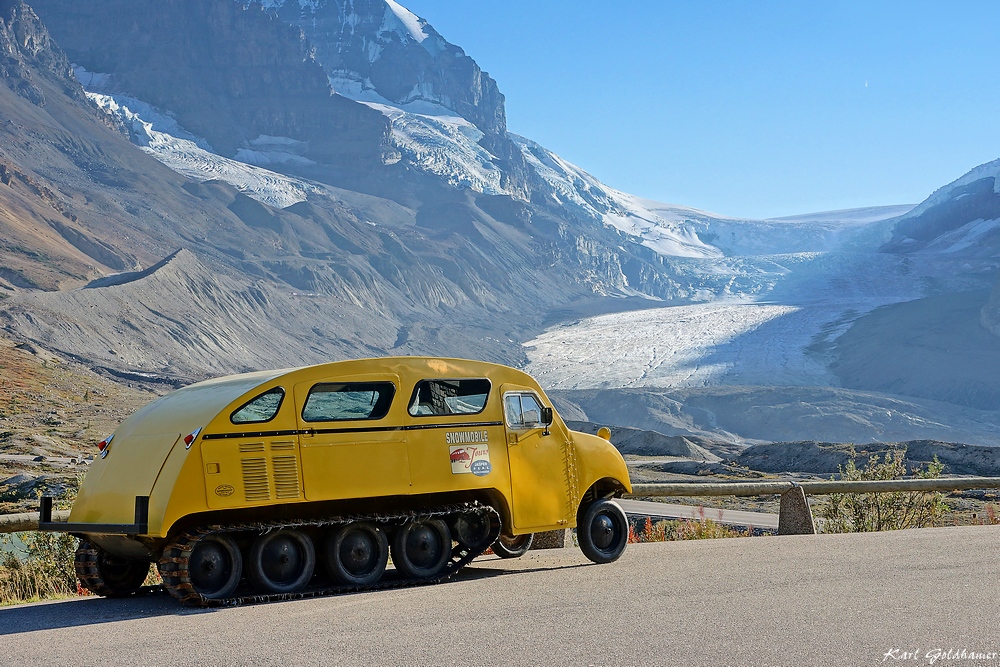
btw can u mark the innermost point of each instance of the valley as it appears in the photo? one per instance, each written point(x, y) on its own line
point(357, 193)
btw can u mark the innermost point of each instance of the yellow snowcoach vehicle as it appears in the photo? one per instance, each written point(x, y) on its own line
point(301, 482)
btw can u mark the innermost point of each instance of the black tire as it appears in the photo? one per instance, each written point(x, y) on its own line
point(104, 574)
point(215, 566)
point(602, 531)
point(472, 530)
point(357, 554)
point(281, 562)
point(513, 547)
point(421, 549)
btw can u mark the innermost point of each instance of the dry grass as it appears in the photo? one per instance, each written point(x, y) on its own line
point(683, 529)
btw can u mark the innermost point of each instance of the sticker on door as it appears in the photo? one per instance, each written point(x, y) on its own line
point(473, 459)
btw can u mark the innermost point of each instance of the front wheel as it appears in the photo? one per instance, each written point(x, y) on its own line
point(603, 531)
point(513, 547)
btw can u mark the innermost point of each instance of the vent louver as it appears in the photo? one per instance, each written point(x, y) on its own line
point(286, 476)
point(251, 447)
point(255, 484)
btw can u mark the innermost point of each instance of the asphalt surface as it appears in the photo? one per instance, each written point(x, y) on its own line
point(859, 599)
point(672, 511)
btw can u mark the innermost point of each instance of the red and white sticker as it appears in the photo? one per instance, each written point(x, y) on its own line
point(473, 459)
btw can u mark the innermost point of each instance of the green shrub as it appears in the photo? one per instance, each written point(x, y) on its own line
point(866, 512)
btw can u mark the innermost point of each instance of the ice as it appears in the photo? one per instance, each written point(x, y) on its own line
point(680, 231)
point(768, 320)
point(158, 134)
point(433, 138)
point(407, 19)
point(966, 236)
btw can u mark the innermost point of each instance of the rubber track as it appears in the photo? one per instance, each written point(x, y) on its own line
point(173, 564)
point(85, 563)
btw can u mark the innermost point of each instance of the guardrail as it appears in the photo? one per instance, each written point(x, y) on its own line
point(18, 523)
point(794, 516)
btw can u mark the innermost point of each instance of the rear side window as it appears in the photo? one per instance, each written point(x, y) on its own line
point(449, 397)
point(339, 401)
point(261, 408)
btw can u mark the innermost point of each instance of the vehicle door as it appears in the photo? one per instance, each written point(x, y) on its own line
point(351, 437)
point(538, 466)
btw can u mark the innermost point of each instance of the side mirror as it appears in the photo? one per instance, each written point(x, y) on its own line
point(546, 419)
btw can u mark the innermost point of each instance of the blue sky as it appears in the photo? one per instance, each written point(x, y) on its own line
point(755, 109)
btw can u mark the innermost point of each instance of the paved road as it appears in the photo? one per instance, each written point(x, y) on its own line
point(794, 600)
point(672, 511)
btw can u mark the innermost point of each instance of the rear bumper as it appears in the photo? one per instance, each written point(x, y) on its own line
point(140, 527)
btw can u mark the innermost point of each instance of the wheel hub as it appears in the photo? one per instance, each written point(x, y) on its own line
point(281, 560)
point(209, 567)
point(602, 531)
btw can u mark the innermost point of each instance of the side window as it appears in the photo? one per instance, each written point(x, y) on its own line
point(449, 397)
point(339, 401)
point(261, 408)
point(522, 410)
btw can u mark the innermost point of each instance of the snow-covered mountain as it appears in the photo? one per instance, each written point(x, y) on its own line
point(379, 51)
point(961, 218)
point(340, 161)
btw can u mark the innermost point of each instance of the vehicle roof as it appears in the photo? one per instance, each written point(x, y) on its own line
point(194, 406)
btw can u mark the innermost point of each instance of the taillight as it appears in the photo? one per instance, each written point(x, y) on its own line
point(190, 438)
point(103, 445)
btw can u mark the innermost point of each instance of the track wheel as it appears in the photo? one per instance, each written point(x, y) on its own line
point(420, 549)
point(107, 575)
point(215, 566)
point(472, 530)
point(281, 562)
point(356, 554)
point(602, 530)
point(513, 547)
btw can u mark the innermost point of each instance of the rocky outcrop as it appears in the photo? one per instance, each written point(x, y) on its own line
point(24, 41)
point(230, 73)
point(825, 458)
point(378, 45)
point(990, 314)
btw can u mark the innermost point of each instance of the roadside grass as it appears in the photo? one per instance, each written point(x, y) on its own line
point(670, 530)
point(43, 572)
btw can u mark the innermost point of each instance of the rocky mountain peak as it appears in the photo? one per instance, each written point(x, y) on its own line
point(231, 74)
point(380, 47)
point(25, 43)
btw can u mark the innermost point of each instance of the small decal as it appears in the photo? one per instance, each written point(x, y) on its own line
point(224, 490)
point(471, 458)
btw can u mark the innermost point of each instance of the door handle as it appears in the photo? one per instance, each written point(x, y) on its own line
point(512, 438)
